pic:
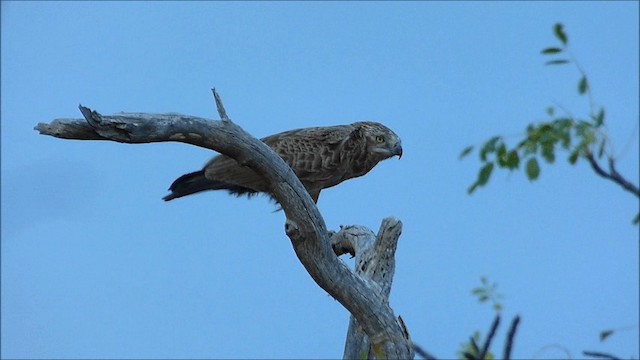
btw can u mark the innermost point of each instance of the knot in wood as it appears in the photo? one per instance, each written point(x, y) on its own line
point(292, 230)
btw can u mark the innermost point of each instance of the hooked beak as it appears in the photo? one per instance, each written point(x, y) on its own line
point(397, 150)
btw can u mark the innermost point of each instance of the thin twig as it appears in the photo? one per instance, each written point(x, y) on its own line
point(510, 335)
point(221, 111)
point(492, 333)
point(600, 355)
point(613, 175)
point(584, 76)
point(474, 346)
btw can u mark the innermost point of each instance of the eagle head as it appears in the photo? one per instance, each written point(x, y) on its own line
point(382, 142)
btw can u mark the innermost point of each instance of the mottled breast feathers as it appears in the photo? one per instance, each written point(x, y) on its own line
point(321, 157)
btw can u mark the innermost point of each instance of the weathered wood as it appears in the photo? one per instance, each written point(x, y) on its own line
point(304, 225)
point(375, 262)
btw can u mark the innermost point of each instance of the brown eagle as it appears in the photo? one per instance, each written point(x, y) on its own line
point(321, 157)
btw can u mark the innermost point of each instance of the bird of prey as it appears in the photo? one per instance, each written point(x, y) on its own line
point(321, 157)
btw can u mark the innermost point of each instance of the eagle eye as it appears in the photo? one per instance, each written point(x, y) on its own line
point(379, 139)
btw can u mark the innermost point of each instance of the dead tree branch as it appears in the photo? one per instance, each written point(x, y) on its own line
point(375, 262)
point(304, 225)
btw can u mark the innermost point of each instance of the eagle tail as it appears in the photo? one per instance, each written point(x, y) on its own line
point(188, 184)
point(195, 182)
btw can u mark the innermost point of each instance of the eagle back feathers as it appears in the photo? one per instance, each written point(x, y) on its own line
point(321, 157)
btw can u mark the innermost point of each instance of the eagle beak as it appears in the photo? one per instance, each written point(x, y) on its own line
point(397, 150)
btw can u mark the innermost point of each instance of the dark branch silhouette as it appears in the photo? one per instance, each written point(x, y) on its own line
point(612, 175)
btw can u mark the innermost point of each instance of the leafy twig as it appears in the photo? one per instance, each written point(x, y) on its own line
point(582, 138)
point(488, 292)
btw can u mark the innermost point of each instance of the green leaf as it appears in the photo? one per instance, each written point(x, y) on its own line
point(501, 155)
point(599, 119)
point(472, 188)
point(548, 153)
point(585, 131)
point(530, 144)
point(573, 158)
point(562, 131)
point(583, 85)
point(533, 169)
point(488, 147)
point(545, 128)
point(485, 174)
point(605, 334)
point(478, 291)
point(589, 137)
point(562, 123)
point(466, 151)
point(513, 160)
point(550, 110)
point(582, 128)
point(558, 31)
point(551, 50)
point(601, 148)
point(557, 62)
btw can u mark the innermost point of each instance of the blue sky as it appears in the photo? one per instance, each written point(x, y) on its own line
point(96, 265)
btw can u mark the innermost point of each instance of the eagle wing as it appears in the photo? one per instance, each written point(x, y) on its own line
point(312, 153)
point(321, 157)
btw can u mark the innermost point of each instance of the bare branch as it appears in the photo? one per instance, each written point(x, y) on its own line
point(510, 336)
point(305, 226)
point(375, 262)
point(492, 333)
point(221, 111)
point(612, 175)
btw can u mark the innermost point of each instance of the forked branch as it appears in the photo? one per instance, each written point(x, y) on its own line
point(304, 226)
